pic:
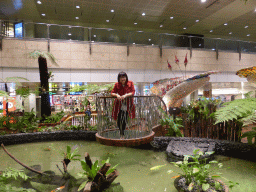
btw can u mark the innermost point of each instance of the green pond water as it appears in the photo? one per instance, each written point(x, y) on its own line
point(133, 165)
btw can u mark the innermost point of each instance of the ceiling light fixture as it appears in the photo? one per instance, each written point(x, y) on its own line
point(211, 31)
point(78, 7)
point(43, 14)
point(135, 23)
point(213, 49)
point(77, 17)
point(246, 26)
point(133, 43)
point(112, 10)
point(143, 14)
point(225, 24)
point(107, 21)
point(248, 35)
point(230, 33)
point(161, 25)
point(203, 1)
point(69, 34)
point(149, 39)
point(94, 35)
point(39, 2)
point(184, 27)
point(171, 17)
point(139, 31)
point(197, 20)
point(152, 44)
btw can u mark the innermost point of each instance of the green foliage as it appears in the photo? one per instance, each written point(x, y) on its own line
point(47, 55)
point(23, 92)
point(200, 108)
point(90, 173)
point(74, 127)
point(71, 156)
point(93, 88)
point(250, 135)
point(240, 109)
point(15, 80)
point(173, 125)
point(54, 118)
point(27, 122)
point(198, 171)
point(15, 174)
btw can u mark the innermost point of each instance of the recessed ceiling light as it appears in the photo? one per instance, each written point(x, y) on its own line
point(184, 27)
point(248, 35)
point(78, 7)
point(39, 2)
point(43, 14)
point(203, 1)
point(69, 27)
point(107, 21)
point(149, 39)
point(69, 34)
point(112, 10)
point(211, 31)
point(135, 23)
point(255, 9)
point(152, 44)
point(92, 41)
point(161, 25)
point(197, 20)
point(139, 31)
point(94, 35)
point(200, 45)
point(225, 24)
point(133, 43)
point(171, 17)
point(246, 26)
point(230, 33)
point(213, 49)
point(77, 17)
point(143, 14)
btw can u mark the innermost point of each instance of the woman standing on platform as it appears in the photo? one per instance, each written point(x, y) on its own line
point(123, 105)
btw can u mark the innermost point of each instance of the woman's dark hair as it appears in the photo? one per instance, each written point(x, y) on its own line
point(122, 74)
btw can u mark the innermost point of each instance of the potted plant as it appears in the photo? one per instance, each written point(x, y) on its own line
point(197, 175)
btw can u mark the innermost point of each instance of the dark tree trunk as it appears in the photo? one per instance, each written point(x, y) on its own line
point(6, 105)
point(44, 76)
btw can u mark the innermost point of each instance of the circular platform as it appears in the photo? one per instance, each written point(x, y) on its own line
point(112, 138)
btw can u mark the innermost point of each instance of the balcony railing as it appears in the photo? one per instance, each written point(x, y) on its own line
point(106, 35)
point(140, 119)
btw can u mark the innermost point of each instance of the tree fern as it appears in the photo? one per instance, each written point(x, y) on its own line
point(240, 109)
point(47, 55)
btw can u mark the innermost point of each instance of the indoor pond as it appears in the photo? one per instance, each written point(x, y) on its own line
point(133, 165)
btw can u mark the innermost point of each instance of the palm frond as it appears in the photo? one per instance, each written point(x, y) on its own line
point(47, 55)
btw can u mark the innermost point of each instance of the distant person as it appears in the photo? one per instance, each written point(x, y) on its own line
point(123, 105)
point(88, 110)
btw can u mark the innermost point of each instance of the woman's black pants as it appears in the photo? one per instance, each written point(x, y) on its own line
point(121, 121)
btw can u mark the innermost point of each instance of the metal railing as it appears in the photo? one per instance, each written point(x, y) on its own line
point(142, 116)
point(46, 31)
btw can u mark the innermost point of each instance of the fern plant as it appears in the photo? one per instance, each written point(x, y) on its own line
point(240, 109)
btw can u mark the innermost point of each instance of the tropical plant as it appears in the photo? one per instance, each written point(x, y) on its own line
point(200, 108)
point(250, 135)
point(11, 173)
point(6, 92)
point(71, 156)
point(54, 118)
point(198, 173)
point(172, 124)
point(44, 78)
point(90, 173)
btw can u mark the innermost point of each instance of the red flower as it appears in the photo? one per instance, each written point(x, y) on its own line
point(176, 60)
point(169, 65)
point(186, 61)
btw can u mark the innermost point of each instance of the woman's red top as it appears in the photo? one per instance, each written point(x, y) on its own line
point(122, 90)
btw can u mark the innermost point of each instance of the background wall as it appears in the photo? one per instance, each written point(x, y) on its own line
point(143, 64)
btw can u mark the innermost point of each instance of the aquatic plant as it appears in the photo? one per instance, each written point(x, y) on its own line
point(71, 156)
point(198, 173)
point(90, 173)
